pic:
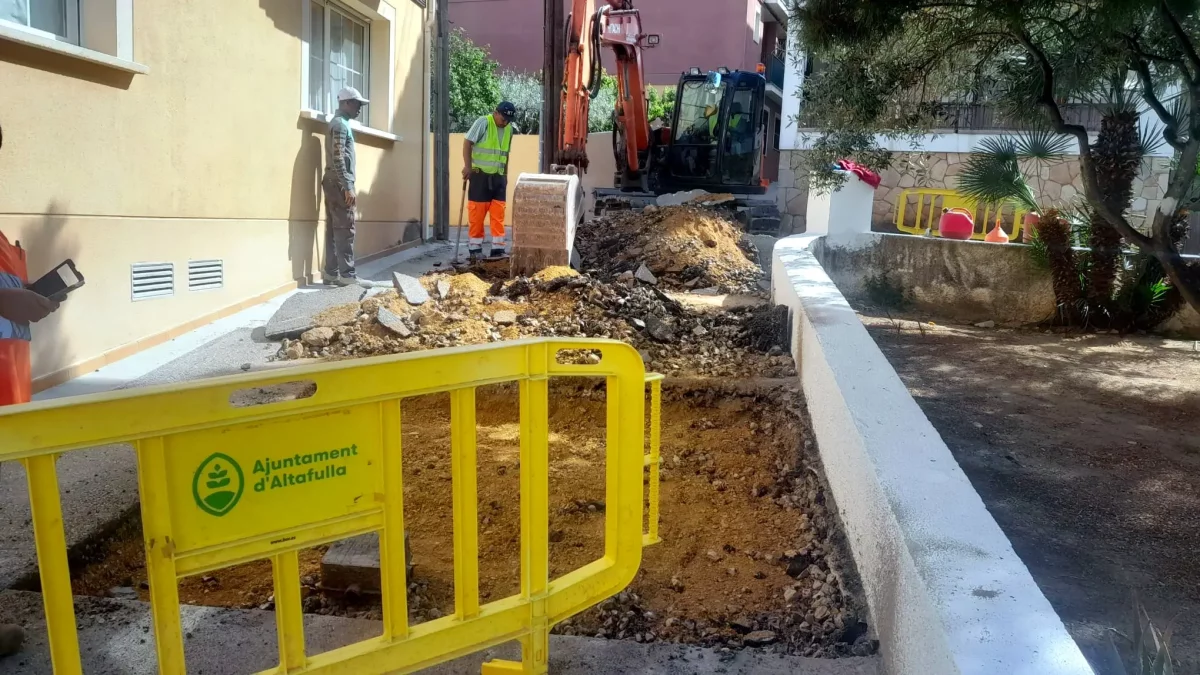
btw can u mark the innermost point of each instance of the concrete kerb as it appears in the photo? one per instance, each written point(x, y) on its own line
point(947, 593)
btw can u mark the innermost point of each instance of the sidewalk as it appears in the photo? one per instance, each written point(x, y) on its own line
point(99, 485)
point(115, 639)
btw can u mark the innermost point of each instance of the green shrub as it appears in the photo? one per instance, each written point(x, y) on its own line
point(474, 85)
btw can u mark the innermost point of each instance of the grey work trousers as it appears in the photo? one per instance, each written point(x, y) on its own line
point(339, 232)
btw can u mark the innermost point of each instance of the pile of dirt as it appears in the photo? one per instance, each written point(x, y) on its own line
point(683, 247)
point(557, 302)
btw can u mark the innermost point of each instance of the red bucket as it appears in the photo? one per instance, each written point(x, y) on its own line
point(956, 223)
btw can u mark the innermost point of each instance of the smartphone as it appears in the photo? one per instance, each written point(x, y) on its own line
point(58, 281)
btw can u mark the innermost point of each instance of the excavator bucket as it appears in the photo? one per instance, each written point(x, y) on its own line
point(546, 210)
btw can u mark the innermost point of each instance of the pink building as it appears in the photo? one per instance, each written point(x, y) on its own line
point(737, 34)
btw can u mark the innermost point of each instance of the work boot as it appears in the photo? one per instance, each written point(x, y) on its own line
point(346, 281)
point(474, 254)
point(329, 281)
point(496, 252)
point(11, 638)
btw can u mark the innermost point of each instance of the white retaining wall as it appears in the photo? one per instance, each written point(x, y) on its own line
point(947, 593)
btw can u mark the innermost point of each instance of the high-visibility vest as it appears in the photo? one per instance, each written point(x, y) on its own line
point(491, 154)
point(735, 121)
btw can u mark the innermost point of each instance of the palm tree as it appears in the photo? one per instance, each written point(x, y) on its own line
point(1116, 155)
point(996, 174)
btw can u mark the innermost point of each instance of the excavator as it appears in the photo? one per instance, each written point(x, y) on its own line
point(714, 141)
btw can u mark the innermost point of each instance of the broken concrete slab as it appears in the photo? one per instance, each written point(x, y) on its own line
point(392, 321)
point(410, 289)
point(296, 314)
point(505, 317)
point(115, 638)
point(644, 274)
point(443, 289)
point(658, 329)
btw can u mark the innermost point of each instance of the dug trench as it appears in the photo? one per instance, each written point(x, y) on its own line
point(751, 554)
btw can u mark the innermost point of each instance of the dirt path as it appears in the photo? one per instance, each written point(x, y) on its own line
point(1086, 449)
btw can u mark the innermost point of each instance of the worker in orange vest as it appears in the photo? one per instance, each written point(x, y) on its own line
point(19, 307)
point(485, 167)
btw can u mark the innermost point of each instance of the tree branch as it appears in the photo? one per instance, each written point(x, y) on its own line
point(1170, 124)
point(1091, 187)
point(1181, 36)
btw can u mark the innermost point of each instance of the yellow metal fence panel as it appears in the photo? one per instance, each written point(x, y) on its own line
point(222, 484)
point(918, 211)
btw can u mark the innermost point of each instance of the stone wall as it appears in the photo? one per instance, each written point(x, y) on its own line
point(965, 281)
point(1059, 183)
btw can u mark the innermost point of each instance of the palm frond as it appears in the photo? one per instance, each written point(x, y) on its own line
point(1115, 94)
point(995, 179)
point(1181, 110)
point(999, 148)
point(1150, 138)
point(1042, 144)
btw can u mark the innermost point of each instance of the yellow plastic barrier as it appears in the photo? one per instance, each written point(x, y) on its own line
point(929, 205)
point(222, 485)
point(654, 460)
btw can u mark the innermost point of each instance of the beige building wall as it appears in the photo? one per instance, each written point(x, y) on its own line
point(205, 155)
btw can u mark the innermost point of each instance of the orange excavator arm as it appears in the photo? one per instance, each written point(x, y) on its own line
point(616, 26)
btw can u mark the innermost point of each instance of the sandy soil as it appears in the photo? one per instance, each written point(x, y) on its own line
point(748, 544)
point(1086, 449)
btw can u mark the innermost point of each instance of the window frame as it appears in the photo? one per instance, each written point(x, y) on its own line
point(70, 21)
point(758, 25)
point(329, 7)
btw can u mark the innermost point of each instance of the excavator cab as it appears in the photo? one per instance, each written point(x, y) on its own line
point(716, 138)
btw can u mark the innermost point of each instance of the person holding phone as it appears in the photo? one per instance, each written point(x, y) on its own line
point(19, 307)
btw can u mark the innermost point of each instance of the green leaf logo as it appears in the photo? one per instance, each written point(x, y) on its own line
point(218, 484)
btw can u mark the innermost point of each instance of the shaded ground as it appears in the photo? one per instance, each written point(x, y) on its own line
point(1086, 449)
point(748, 543)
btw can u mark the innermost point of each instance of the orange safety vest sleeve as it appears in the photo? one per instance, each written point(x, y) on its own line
point(15, 381)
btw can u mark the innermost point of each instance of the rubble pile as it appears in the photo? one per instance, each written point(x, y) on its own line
point(683, 247)
point(463, 310)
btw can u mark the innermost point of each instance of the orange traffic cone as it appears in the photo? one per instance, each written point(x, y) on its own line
point(997, 235)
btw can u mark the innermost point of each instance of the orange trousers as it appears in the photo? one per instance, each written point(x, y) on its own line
point(476, 212)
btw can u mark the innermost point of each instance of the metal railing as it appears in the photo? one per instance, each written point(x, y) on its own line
point(981, 117)
point(224, 480)
point(776, 69)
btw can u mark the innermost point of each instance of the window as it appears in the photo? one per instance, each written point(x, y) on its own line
point(53, 18)
point(758, 26)
point(699, 107)
point(778, 130)
point(339, 55)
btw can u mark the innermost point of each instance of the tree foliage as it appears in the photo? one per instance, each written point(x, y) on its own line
point(524, 90)
point(661, 104)
point(474, 85)
point(894, 65)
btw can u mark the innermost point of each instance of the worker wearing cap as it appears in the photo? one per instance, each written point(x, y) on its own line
point(338, 186)
point(485, 165)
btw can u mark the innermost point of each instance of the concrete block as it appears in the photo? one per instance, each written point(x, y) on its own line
point(546, 210)
point(355, 562)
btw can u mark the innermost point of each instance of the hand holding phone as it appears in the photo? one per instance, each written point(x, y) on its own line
point(58, 282)
point(21, 305)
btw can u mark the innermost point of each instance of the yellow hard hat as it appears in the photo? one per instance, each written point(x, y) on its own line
point(710, 110)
